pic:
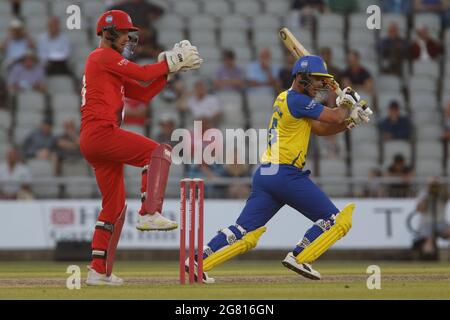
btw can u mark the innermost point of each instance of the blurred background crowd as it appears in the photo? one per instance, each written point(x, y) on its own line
point(402, 70)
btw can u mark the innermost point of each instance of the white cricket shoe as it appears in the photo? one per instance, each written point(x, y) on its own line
point(100, 279)
point(152, 222)
point(206, 278)
point(302, 269)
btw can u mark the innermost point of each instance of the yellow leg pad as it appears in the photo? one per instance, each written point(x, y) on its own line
point(328, 238)
point(241, 246)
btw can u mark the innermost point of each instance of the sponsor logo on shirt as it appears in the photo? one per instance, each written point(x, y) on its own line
point(311, 105)
point(123, 62)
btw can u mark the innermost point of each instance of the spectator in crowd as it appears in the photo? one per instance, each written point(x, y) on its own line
point(237, 190)
point(144, 14)
point(356, 75)
point(27, 74)
point(204, 105)
point(304, 12)
point(425, 48)
point(396, 6)
point(431, 206)
point(54, 48)
point(229, 76)
point(395, 126)
point(263, 74)
point(343, 6)
point(16, 45)
point(393, 51)
point(15, 177)
point(68, 143)
point(373, 188)
point(399, 169)
point(166, 125)
point(40, 143)
point(285, 74)
point(135, 112)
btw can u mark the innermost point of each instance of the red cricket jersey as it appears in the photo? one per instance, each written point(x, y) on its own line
point(109, 77)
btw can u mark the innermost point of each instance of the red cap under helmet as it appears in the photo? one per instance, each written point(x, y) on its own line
point(118, 19)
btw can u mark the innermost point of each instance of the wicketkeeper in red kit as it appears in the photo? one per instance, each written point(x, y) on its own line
point(109, 78)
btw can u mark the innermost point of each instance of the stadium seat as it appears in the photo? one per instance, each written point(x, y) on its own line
point(30, 101)
point(429, 69)
point(232, 109)
point(266, 39)
point(133, 181)
point(368, 151)
point(330, 38)
point(277, 8)
point(364, 134)
point(234, 22)
point(425, 115)
point(384, 99)
point(93, 9)
point(186, 7)
point(204, 37)
point(429, 150)
point(243, 55)
point(361, 167)
point(391, 148)
point(33, 8)
point(37, 23)
point(169, 37)
point(200, 23)
point(28, 119)
point(362, 38)
point(176, 173)
point(43, 169)
point(209, 53)
point(426, 168)
point(388, 83)
point(233, 38)
point(247, 7)
point(170, 21)
point(265, 22)
point(330, 22)
point(421, 101)
point(429, 132)
point(260, 101)
point(216, 8)
point(60, 84)
point(5, 120)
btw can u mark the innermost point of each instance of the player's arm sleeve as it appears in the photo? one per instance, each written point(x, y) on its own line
point(136, 91)
point(114, 62)
point(304, 107)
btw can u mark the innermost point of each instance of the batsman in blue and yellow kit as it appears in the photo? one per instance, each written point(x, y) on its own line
point(281, 180)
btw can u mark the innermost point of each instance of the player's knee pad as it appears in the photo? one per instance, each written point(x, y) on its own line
point(234, 245)
point(115, 229)
point(157, 176)
point(330, 233)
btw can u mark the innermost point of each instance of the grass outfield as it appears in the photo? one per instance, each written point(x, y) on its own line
point(235, 280)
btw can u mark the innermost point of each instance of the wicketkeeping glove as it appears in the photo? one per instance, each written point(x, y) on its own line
point(182, 56)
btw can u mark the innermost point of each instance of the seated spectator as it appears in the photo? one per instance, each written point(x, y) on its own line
point(135, 112)
point(393, 51)
point(356, 75)
point(431, 206)
point(395, 126)
point(262, 74)
point(54, 48)
point(15, 177)
point(399, 169)
point(27, 74)
point(396, 6)
point(166, 126)
point(229, 76)
point(40, 143)
point(304, 12)
point(68, 143)
point(16, 45)
point(285, 74)
point(425, 48)
point(144, 15)
point(343, 6)
point(204, 105)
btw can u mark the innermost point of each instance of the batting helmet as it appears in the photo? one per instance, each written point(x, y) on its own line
point(115, 19)
point(313, 65)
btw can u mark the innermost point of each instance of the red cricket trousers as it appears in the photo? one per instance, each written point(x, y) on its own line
point(108, 148)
